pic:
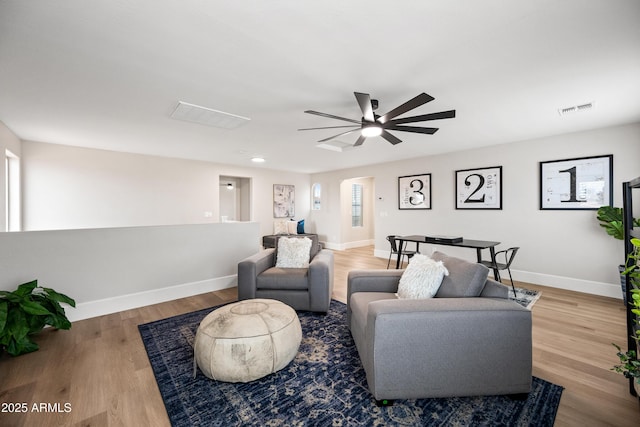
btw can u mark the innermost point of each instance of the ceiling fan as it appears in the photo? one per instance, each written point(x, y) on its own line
point(373, 124)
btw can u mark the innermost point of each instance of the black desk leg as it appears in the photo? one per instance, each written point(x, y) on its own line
point(496, 272)
point(399, 254)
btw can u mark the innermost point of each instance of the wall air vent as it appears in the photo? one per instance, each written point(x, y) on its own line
point(576, 108)
point(207, 116)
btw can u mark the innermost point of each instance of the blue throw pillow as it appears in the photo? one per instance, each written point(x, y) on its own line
point(301, 226)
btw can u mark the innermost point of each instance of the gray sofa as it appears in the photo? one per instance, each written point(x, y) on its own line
point(469, 340)
point(301, 288)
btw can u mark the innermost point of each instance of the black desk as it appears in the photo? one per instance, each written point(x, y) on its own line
point(478, 245)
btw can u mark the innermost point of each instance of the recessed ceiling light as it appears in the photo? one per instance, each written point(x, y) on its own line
point(257, 159)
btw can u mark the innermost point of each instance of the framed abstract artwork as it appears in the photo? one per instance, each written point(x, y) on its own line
point(479, 188)
point(284, 201)
point(414, 191)
point(583, 183)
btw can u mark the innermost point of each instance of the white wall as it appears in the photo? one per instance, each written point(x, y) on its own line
point(112, 269)
point(68, 187)
point(559, 248)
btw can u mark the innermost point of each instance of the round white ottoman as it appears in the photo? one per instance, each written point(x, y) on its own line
point(247, 340)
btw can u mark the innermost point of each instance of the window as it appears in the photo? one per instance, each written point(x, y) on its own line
point(316, 191)
point(356, 205)
point(12, 191)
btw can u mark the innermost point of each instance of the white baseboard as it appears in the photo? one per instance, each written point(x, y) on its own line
point(348, 245)
point(569, 283)
point(101, 307)
point(561, 282)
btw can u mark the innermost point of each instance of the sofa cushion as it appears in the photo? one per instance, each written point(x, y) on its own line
point(293, 252)
point(283, 278)
point(465, 279)
point(422, 278)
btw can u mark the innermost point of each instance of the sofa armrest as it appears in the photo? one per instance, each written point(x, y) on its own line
point(250, 268)
point(321, 280)
point(493, 289)
point(373, 281)
point(464, 345)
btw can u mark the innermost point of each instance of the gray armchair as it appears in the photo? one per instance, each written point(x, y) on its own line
point(301, 288)
point(455, 344)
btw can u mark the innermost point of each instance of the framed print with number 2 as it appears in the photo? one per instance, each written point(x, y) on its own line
point(414, 191)
point(582, 183)
point(479, 188)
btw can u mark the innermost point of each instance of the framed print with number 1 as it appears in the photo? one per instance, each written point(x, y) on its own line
point(479, 188)
point(582, 183)
point(414, 191)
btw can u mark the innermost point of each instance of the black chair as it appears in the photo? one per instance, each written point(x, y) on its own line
point(509, 255)
point(398, 251)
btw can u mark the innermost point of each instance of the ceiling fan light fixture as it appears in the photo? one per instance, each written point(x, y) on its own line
point(371, 130)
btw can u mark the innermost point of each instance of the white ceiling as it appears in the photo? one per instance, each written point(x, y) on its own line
point(108, 73)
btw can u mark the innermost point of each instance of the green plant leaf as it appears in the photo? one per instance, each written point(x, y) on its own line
point(26, 288)
point(21, 346)
point(59, 297)
point(17, 325)
point(12, 297)
point(34, 308)
point(4, 309)
point(59, 322)
point(26, 311)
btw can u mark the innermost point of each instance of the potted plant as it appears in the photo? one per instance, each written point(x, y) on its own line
point(629, 363)
point(26, 311)
point(611, 220)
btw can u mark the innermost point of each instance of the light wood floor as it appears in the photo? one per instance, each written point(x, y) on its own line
point(101, 369)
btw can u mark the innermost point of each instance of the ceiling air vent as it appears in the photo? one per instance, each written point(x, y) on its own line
point(576, 108)
point(207, 116)
point(335, 145)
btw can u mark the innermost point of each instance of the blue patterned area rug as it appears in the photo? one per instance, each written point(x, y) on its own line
point(324, 385)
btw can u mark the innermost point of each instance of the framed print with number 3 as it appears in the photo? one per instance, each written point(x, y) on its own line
point(414, 191)
point(582, 183)
point(479, 188)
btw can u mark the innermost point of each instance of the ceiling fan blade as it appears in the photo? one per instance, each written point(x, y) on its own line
point(331, 127)
point(340, 134)
point(413, 129)
point(364, 100)
point(415, 102)
point(331, 116)
point(360, 140)
point(423, 118)
point(392, 139)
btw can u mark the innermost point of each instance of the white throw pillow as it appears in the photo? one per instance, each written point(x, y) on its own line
point(280, 227)
point(293, 252)
point(292, 227)
point(422, 278)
